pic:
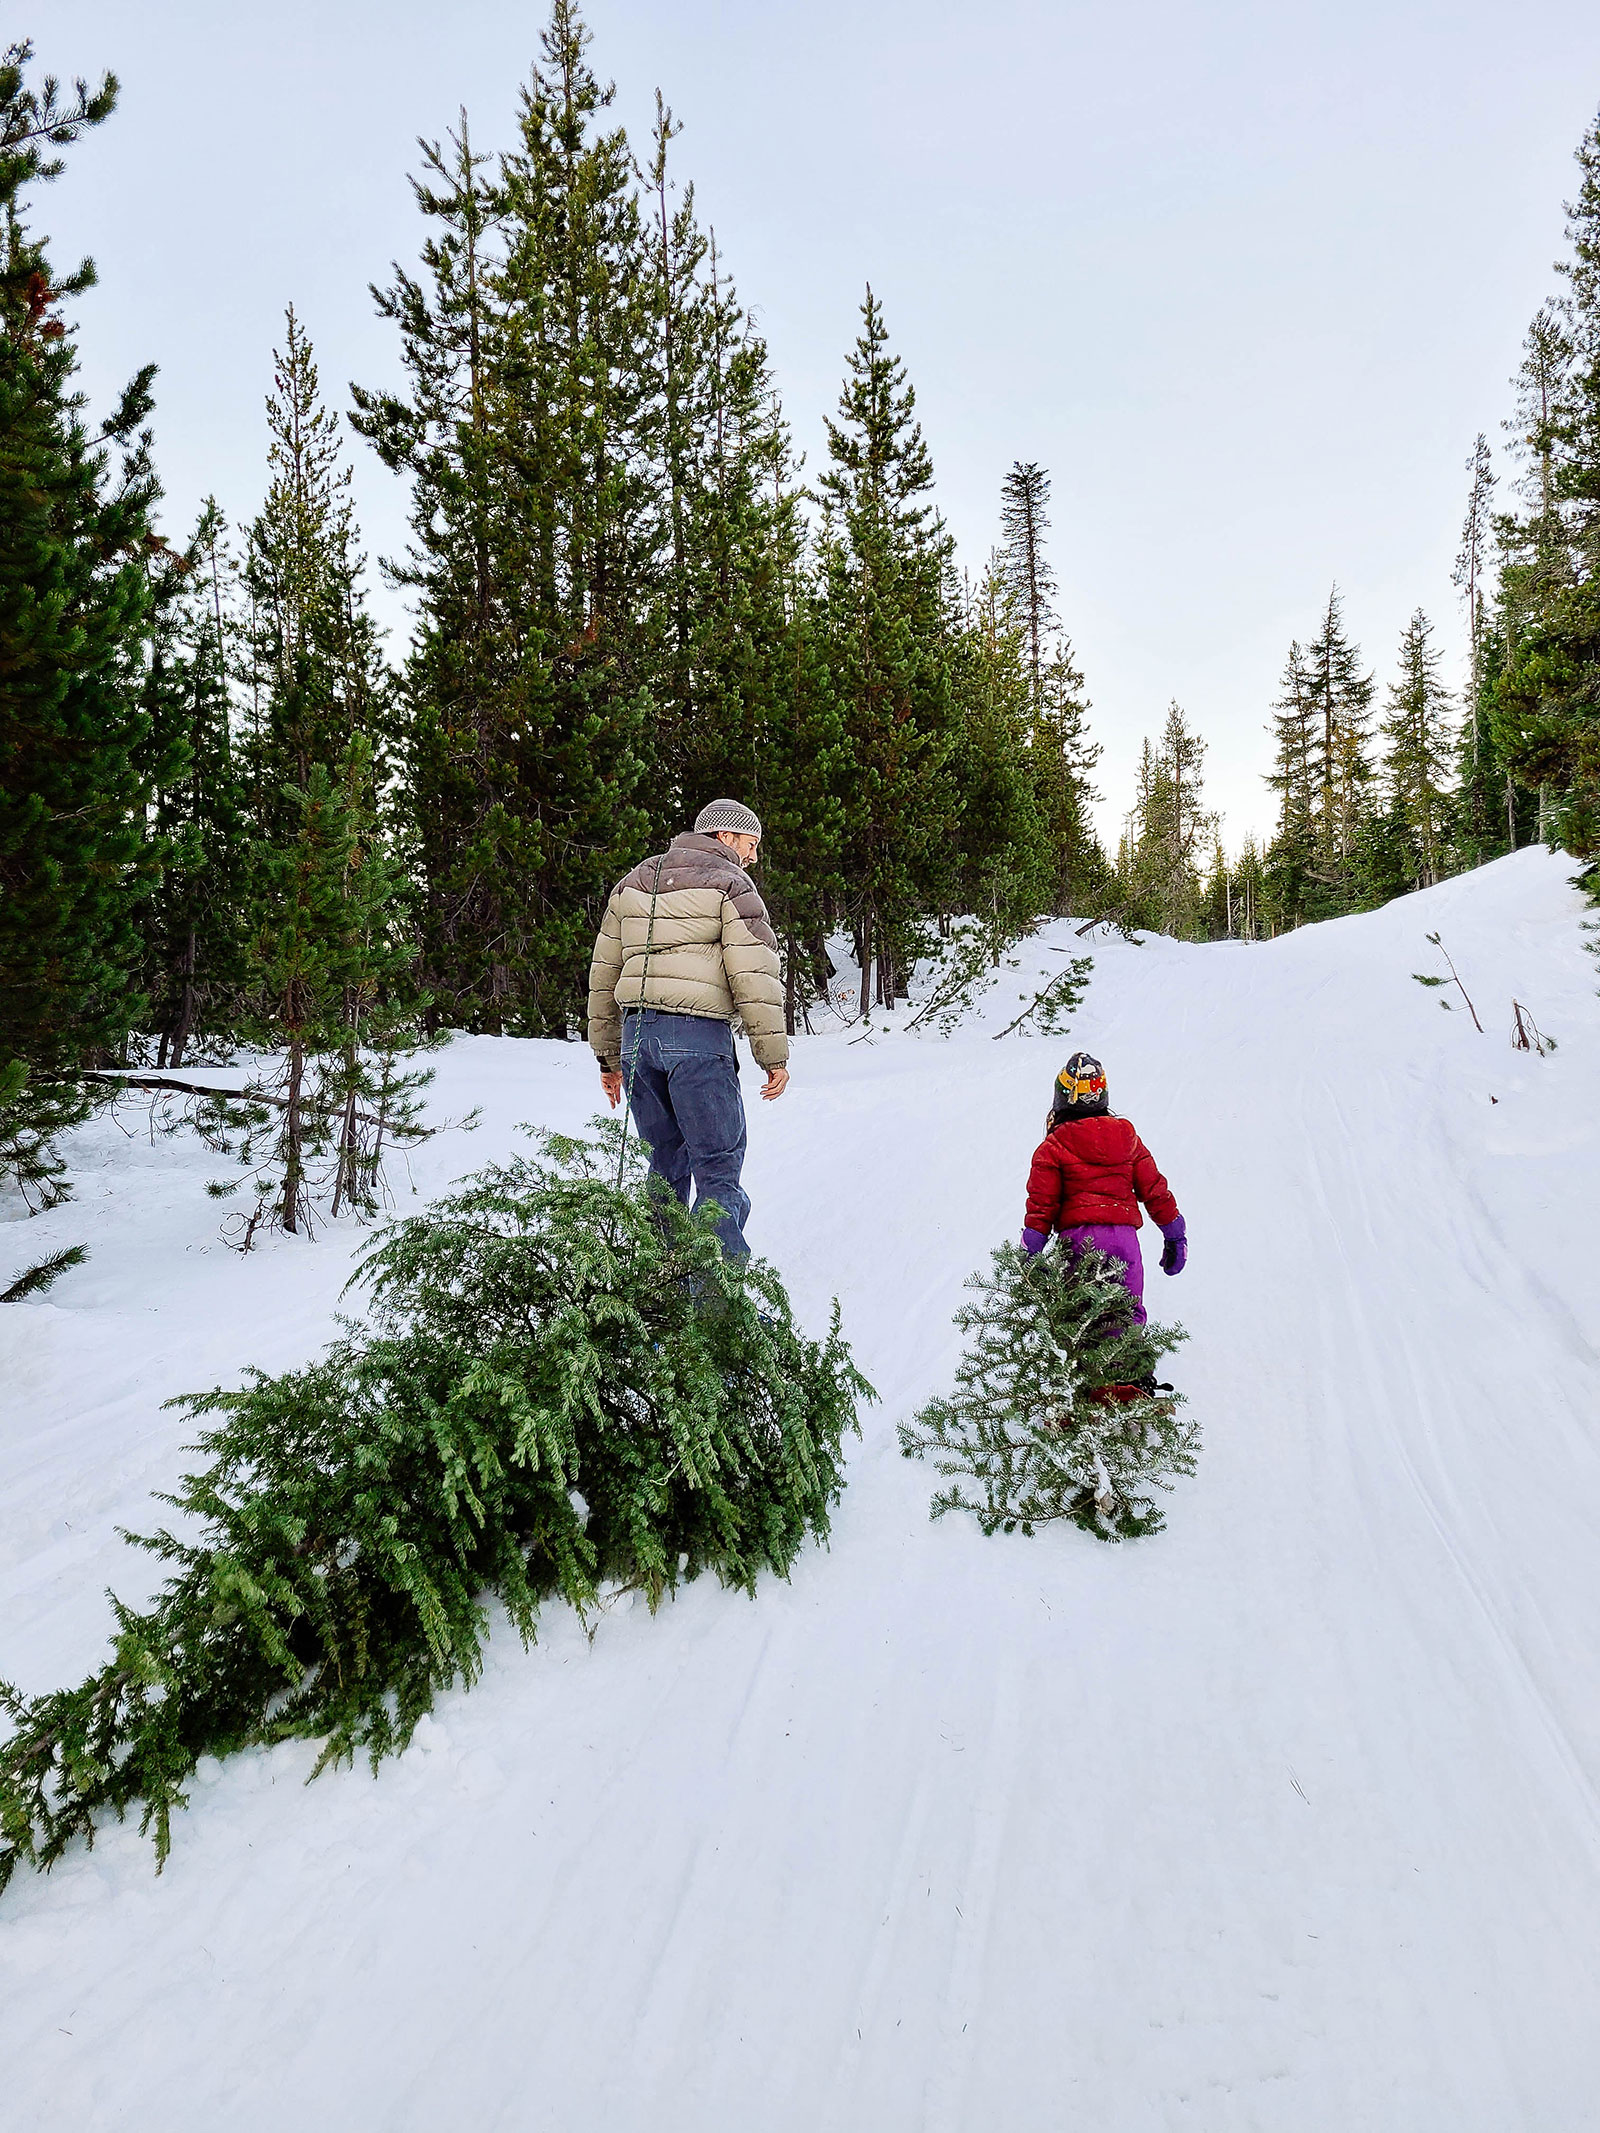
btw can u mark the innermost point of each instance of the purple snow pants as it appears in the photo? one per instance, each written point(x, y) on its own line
point(1118, 1240)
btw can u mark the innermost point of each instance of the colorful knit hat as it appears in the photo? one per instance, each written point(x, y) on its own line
point(1080, 1090)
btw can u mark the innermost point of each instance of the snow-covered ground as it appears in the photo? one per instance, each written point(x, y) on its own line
point(1287, 1819)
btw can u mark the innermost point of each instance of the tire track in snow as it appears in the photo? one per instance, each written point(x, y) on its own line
point(1436, 1498)
point(839, 2114)
point(944, 2097)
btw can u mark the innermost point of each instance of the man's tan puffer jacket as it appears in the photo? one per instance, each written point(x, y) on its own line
point(712, 951)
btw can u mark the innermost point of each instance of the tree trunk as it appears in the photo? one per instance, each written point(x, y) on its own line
point(180, 1035)
point(294, 1139)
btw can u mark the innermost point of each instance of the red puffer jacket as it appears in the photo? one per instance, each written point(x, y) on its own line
point(1095, 1170)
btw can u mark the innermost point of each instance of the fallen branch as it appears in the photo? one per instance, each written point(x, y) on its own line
point(237, 1096)
point(1060, 996)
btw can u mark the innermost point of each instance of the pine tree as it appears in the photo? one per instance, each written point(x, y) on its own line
point(1547, 707)
point(1028, 1438)
point(884, 552)
point(1291, 856)
point(1421, 747)
point(999, 864)
point(316, 674)
point(1250, 914)
point(327, 992)
point(1342, 773)
point(195, 918)
point(529, 435)
point(1062, 756)
point(75, 537)
point(1024, 522)
point(1216, 904)
point(1478, 831)
point(1169, 834)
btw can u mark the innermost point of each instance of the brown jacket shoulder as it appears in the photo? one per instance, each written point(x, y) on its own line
point(686, 932)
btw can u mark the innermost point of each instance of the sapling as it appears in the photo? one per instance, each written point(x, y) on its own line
point(1453, 979)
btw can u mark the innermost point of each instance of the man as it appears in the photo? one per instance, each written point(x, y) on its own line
point(685, 950)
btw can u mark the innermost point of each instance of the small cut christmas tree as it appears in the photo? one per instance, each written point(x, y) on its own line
point(1053, 1415)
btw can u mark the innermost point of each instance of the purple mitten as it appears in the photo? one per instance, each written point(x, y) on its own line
point(1176, 1249)
point(1034, 1242)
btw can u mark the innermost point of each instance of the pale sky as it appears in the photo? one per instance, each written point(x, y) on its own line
point(1247, 279)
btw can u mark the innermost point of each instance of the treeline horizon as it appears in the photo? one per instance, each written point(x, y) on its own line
point(229, 821)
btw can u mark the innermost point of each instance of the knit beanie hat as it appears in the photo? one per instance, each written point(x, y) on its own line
point(1080, 1090)
point(727, 815)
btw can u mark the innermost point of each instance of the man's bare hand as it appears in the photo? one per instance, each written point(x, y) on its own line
point(776, 1082)
point(612, 1084)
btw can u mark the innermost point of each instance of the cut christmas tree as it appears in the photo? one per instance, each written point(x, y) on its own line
point(1056, 1414)
point(564, 1382)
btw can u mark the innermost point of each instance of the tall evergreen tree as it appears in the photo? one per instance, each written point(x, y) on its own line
point(1547, 714)
point(884, 553)
point(315, 670)
point(528, 432)
point(1000, 867)
point(1024, 521)
point(75, 536)
point(1062, 756)
point(1249, 910)
point(195, 918)
point(1291, 856)
point(1342, 771)
point(1170, 834)
point(327, 993)
point(1479, 813)
point(1420, 751)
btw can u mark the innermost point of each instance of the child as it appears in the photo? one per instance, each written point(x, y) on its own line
point(1089, 1172)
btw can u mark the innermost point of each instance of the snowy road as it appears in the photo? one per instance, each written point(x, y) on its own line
point(1287, 1819)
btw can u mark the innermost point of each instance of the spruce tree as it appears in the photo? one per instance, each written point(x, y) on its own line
point(1024, 522)
point(999, 867)
point(315, 672)
point(1342, 772)
point(1250, 913)
point(1547, 712)
point(1169, 835)
point(1062, 757)
point(195, 919)
point(884, 553)
point(327, 991)
point(1479, 833)
point(1420, 750)
point(1291, 855)
point(75, 537)
point(1061, 754)
point(528, 432)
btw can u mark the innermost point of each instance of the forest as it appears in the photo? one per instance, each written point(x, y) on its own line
point(233, 824)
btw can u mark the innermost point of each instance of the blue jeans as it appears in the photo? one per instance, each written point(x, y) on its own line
point(683, 1083)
